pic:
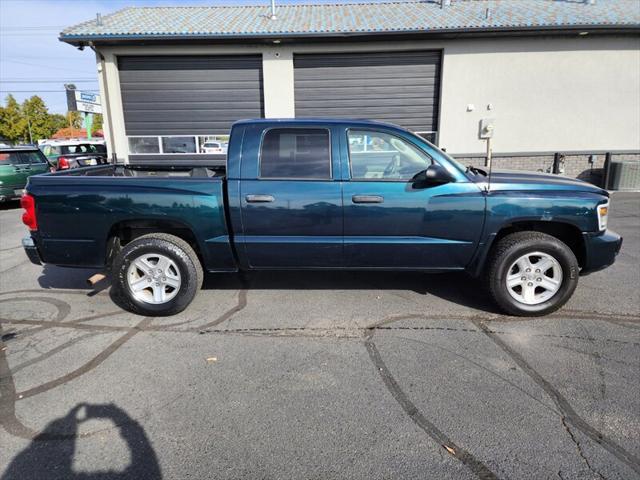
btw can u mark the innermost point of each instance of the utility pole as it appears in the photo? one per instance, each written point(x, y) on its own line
point(29, 126)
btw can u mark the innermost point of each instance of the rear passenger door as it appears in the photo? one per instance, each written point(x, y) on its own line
point(291, 204)
point(37, 161)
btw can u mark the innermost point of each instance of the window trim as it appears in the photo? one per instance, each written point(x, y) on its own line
point(368, 129)
point(310, 179)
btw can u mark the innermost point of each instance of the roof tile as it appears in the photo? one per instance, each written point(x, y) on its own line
point(351, 18)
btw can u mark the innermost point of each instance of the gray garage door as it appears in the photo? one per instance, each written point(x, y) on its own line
point(400, 87)
point(189, 95)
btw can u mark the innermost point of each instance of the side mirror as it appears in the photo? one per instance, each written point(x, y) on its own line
point(434, 175)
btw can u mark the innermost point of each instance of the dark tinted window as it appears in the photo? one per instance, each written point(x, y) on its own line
point(21, 158)
point(33, 157)
point(296, 153)
point(10, 158)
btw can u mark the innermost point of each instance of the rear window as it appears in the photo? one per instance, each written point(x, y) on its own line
point(20, 158)
point(83, 148)
point(296, 153)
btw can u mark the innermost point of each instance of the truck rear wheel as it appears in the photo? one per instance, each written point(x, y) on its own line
point(531, 274)
point(156, 275)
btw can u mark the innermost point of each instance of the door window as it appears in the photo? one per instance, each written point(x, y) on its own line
point(381, 156)
point(10, 158)
point(302, 153)
point(32, 158)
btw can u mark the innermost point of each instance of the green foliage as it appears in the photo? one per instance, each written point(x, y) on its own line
point(13, 125)
point(16, 121)
point(97, 123)
point(74, 119)
point(59, 121)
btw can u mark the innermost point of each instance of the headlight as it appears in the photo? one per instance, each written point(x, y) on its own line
point(603, 215)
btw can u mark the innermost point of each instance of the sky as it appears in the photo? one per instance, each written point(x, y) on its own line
point(34, 62)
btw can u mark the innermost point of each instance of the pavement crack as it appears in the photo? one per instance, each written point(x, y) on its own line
point(476, 466)
point(579, 449)
point(568, 414)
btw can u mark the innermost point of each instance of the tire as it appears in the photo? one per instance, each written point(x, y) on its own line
point(524, 248)
point(184, 270)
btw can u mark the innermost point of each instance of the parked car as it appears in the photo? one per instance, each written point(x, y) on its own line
point(214, 147)
point(65, 154)
point(17, 164)
point(294, 196)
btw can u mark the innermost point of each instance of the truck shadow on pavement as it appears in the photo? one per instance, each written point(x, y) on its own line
point(50, 455)
point(458, 288)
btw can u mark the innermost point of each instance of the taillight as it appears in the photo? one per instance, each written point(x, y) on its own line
point(29, 216)
point(63, 163)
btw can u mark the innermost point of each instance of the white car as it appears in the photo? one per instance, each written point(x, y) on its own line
point(214, 147)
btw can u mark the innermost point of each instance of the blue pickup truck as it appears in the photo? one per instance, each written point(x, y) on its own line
point(321, 194)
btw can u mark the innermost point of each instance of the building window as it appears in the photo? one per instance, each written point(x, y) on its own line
point(144, 145)
point(178, 144)
point(303, 153)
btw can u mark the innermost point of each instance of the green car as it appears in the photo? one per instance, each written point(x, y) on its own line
point(17, 164)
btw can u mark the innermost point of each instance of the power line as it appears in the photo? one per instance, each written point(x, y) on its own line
point(33, 27)
point(43, 91)
point(43, 66)
point(62, 80)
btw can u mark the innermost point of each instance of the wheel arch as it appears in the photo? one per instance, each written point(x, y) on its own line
point(566, 232)
point(125, 231)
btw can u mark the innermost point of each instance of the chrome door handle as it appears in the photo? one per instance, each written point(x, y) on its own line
point(367, 199)
point(259, 198)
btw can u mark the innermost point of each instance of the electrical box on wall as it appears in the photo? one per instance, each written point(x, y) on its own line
point(486, 128)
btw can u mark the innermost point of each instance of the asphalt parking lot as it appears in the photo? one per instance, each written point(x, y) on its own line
point(319, 375)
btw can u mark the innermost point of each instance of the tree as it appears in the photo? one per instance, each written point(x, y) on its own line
point(13, 125)
point(97, 123)
point(59, 121)
point(40, 121)
point(74, 119)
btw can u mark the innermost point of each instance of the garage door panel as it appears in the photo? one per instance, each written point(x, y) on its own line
point(178, 128)
point(367, 93)
point(166, 95)
point(367, 59)
point(189, 62)
point(194, 116)
point(358, 82)
point(192, 106)
point(400, 87)
point(162, 76)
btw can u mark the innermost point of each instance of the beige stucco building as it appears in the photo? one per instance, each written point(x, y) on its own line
point(555, 78)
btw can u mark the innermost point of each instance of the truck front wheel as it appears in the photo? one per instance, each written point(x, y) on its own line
point(531, 274)
point(156, 275)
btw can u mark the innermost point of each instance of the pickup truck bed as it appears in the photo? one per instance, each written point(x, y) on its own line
point(321, 193)
point(109, 200)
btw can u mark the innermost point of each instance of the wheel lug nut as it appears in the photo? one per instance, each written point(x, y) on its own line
point(148, 279)
point(538, 279)
point(523, 278)
point(528, 270)
point(530, 284)
point(164, 279)
point(537, 270)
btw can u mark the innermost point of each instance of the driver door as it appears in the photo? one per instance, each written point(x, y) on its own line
point(391, 222)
